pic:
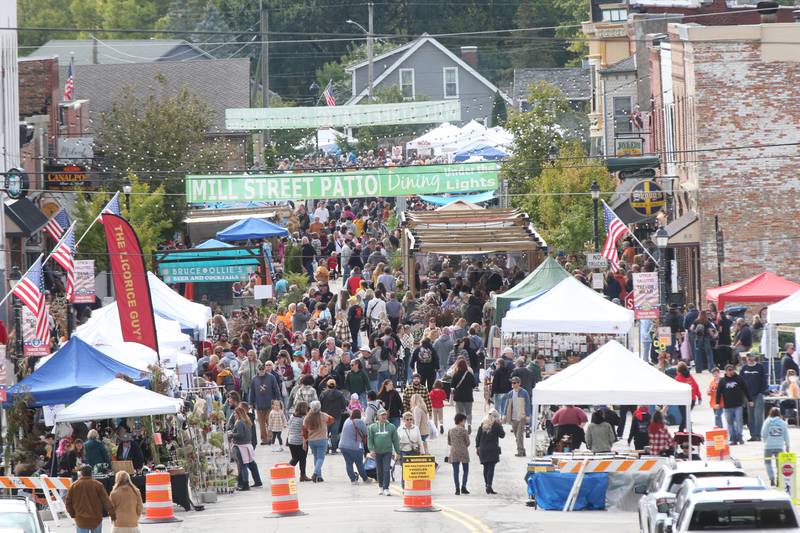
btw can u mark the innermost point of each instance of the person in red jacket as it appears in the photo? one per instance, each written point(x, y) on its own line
point(684, 376)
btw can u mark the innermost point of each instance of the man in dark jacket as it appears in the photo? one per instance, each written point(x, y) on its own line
point(525, 375)
point(129, 450)
point(501, 385)
point(86, 499)
point(787, 361)
point(263, 389)
point(334, 403)
point(732, 389)
point(755, 377)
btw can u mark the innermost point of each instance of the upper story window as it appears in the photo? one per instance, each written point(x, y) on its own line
point(615, 15)
point(407, 83)
point(451, 82)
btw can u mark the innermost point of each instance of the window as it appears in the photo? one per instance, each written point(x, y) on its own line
point(622, 114)
point(451, 82)
point(615, 15)
point(407, 83)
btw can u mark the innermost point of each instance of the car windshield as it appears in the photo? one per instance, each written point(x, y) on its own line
point(18, 521)
point(678, 479)
point(742, 515)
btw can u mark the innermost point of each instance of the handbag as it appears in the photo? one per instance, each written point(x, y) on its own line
point(432, 431)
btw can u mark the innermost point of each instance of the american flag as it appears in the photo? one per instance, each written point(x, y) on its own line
point(70, 84)
point(329, 98)
point(111, 207)
point(57, 225)
point(30, 291)
point(64, 256)
point(614, 230)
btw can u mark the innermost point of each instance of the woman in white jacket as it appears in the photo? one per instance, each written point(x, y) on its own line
point(410, 438)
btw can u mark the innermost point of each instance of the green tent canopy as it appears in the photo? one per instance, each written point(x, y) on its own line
point(546, 276)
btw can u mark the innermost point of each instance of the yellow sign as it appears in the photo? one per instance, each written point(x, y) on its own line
point(292, 486)
point(419, 467)
point(787, 474)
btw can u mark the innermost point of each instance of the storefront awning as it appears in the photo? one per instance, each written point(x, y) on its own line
point(684, 230)
point(23, 218)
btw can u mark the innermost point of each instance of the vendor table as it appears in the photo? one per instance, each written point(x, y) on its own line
point(777, 400)
point(180, 488)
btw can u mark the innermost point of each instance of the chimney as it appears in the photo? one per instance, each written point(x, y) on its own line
point(768, 11)
point(470, 55)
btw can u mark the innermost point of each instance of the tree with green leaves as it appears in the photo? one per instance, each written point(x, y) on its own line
point(499, 111)
point(160, 137)
point(148, 216)
point(374, 137)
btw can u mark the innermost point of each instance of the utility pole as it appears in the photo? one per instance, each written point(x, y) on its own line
point(262, 138)
point(370, 50)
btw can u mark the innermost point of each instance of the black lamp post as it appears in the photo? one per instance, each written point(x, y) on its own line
point(662, 240)
point(127, 188)
point(595, 190)
point(13, 278)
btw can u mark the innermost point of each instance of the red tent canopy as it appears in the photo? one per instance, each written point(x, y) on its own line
point(765, 287)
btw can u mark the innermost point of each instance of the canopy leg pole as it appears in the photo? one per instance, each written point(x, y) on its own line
point(535, 424)
point(689, 427)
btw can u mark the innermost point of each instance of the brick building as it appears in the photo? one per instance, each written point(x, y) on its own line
point(724, 98)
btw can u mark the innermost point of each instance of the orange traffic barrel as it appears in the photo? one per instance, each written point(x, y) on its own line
point(158, 499)
point(284, 490)
point(417, 495)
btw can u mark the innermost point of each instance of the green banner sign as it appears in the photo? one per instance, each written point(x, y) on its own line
point(393, 181)
point(201, 271)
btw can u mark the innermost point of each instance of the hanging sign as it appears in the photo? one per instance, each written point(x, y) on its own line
point(647, 198)
point(66, 178)
point(645, 295)
point(84, 282)
point(32, 346)
point(374, 182)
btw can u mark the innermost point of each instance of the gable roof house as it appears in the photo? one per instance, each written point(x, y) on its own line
point(425, 67)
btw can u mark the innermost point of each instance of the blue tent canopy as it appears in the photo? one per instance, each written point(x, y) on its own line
point(447, 200)
point(251, 228)
point(213, 243)
point(74, 370)
point(485, 151)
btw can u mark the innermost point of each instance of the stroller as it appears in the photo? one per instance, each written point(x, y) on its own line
point(372, 471)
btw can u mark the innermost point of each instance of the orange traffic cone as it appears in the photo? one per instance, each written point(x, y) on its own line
point(158, 499)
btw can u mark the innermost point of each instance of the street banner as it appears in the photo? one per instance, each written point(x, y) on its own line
point(372, 182)
point(787, 469)
point(130, 282)
point(32, 346)
point(84, 282)
point(645, 295)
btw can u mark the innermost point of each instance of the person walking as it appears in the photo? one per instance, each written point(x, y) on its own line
point(410, 437)
point(127, 501)
point(712, 395)
point(600, 436)
point(684, 376)
point(244, 454)
point(277, 423)
point(416, 387)
point(334, 402)
point(518, 412)
point(464, 383)
point(357, 381)
point(755, 377)
point(437, 397)
point(425, 363)
point(732, 390)
point(383, 444)
point(458, 441)
point(420, 415)
point(295, 440)
point(263, 391)
point(661, 442)
point(315, 432)
point(352, 443)
point(501, 385)
point(85, 502)
point(775, 434)
point(487, 442)
point(392, 401)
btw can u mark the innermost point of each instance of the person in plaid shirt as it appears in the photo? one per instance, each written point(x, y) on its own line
point(661, 441)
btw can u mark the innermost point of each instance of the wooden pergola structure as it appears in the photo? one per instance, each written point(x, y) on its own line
point(462, 228)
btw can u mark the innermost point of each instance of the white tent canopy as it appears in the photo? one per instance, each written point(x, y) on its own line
point(436, 138)
point(569, 307)
point(169, 304)
point(140, 356)
point(787, 311)
point(612, 375)
point(118, 398)
point(103, 329)
point(327, 139)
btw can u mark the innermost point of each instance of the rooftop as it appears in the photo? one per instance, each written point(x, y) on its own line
point(119, 51)
point(573, 81)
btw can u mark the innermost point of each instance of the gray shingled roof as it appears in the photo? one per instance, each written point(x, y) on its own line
point(573, 81)
point(222, 83)
point(117, 51)
point(625, 65)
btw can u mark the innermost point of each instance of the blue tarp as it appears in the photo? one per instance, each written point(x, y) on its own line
point(213, 243)
point(551, 490)
point(251, 228)
point(485, 151)
point(74, 370)
point(446, 200)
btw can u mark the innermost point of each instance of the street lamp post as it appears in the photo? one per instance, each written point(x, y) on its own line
point(595, 190)
point(127, 188)
point(662, 240)
point(370, 47)
point(13, 278)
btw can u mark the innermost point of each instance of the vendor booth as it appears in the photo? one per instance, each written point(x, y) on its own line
point(167, 303)
point(76, 369)
point(762, 288)
point(251, 228)
point(119, 399)
point(786, 311)
point(546, 276)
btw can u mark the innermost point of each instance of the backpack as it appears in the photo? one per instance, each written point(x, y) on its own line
point(225, 378)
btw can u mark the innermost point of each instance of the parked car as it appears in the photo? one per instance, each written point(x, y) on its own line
point(736, 510)
point(694, 485)
point(659, 494)
point(20, 514)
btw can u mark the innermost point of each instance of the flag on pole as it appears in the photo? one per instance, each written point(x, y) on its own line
point(64, 256)
point(69, 85)
point(329, 98)
point(111, 208)
point(614, 230)
point(30, 291)
point(57, 225)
